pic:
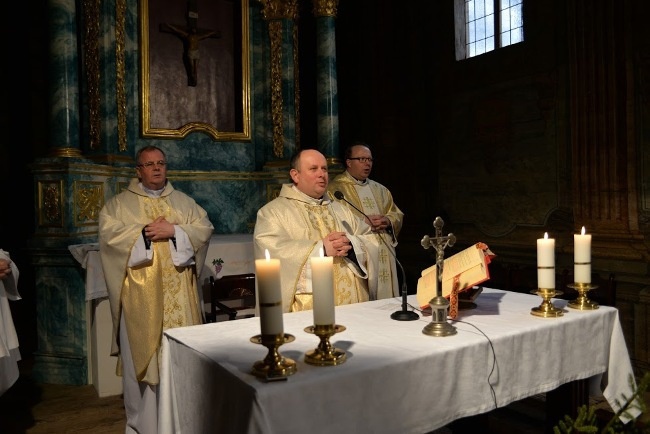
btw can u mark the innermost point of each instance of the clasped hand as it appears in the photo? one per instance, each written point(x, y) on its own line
point(378, 222)
point(159, 229)
point(5, 268)
point(336, 244)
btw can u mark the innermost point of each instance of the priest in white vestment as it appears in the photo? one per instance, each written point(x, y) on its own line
point(153, 240)
point(302, 221)
point(376, 202)
point(9, 352)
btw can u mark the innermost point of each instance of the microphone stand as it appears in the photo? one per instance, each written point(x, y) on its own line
point(400, 315)
point(404, 314)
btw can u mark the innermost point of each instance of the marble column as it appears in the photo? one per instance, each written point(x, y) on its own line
point(281, 16)
point(326, 91)
point(64, 86)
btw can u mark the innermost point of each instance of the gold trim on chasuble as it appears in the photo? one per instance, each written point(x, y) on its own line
point(346, 290)
point(370, 206)
point(142, 304)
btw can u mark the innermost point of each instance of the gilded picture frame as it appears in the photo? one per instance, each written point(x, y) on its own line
point(194, 69)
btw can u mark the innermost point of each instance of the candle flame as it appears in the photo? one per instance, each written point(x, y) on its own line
point(322, 253)
point(266, 253)
point(546, 235)
point(583, 231)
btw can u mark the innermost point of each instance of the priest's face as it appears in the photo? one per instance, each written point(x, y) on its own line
point(311, 175)
point(152, 169)
point(359, 164)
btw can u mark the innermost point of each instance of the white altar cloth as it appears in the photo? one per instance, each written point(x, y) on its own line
point(395, 378)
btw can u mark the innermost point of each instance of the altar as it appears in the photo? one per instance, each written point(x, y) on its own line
point(236, 251)
point(395, 378)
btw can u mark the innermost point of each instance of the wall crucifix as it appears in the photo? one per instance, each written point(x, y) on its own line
point(190, 35)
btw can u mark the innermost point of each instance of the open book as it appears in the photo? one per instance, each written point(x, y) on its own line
point(469, 267)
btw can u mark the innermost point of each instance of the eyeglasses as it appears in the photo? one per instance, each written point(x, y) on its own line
point(151, 164)
point(362, 159)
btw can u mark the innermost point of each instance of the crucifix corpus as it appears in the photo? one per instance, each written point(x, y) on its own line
point(191, 35)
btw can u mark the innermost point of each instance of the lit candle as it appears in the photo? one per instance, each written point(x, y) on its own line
point(546, 262)
point(322, 286)
point(270, 295)
point(582, 257)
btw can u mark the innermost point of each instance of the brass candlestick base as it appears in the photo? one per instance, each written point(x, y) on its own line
point(274, 366)
point(582, 302)
point(325, 354)
point(546, 309)
point(439, 326)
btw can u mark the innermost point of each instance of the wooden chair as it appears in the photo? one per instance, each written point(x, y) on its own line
point(233, 296)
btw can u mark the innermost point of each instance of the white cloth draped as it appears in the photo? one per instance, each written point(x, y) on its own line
point(500, 354)
point(9, 351)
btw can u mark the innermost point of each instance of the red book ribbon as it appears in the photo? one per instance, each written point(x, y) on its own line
point(453, 298)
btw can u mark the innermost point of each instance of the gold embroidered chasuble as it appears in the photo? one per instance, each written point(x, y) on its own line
point(292, 227)
point(373, 198)
point(156, 295)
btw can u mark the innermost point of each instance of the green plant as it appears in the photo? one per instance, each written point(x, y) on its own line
point(217, 261)
point(586, 421)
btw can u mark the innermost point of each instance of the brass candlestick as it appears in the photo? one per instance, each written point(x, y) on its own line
point(546, 309)
point(274, 366)
point(582, 302)
point(325, 354)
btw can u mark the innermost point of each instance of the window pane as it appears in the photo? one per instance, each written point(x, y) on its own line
point(489, 44)
point(489, 7)
point(516, 20)
point(471, 32)
point(489, 26)
point(469, 11)
point(505, 39)
point(480, 29)
point(516, 35)
point(480, 46)
point(480, 8)
point(505, 20)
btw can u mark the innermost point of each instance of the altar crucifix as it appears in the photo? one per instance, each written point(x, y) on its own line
point(191, 35)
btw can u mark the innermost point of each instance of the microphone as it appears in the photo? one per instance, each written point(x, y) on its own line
point(400, 315)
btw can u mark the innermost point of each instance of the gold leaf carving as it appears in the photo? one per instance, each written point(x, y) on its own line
point(88, 201)
point(50, 200)
point(325, 8)
point(120, 87)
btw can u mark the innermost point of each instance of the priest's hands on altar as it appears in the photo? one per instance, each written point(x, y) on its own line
point(5, 268)
point(159, 229)
point(336, 244)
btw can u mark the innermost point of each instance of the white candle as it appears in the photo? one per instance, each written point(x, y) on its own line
point(322, 286)
point(546, 262)
point(582, 257)
point(269, 290)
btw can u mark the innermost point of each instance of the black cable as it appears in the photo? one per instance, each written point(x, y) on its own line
point(494, 354)
point(494, 360)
